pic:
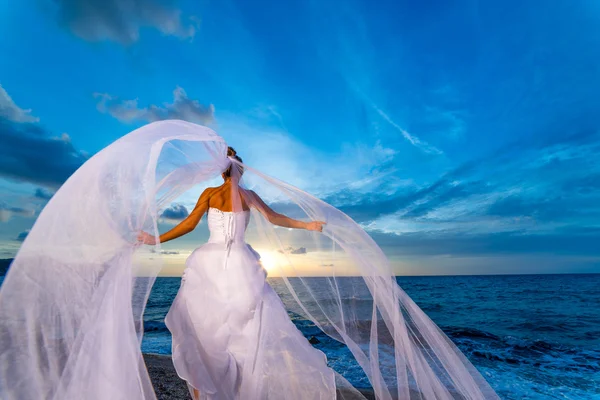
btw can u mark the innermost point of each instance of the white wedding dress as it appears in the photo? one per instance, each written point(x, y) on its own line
point(232, 337)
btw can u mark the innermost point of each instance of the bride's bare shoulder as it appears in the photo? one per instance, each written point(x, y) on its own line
point(210, 190)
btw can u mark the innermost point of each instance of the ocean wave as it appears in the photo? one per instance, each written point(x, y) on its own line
point(513, 350)
point(155, 326)
point(459, 332)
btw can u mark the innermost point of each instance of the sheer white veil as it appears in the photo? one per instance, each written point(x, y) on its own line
point(72, 303)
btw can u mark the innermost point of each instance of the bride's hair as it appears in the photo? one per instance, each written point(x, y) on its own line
point(231, 153)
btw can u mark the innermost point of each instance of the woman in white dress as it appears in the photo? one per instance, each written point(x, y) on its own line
point(72, 303)
point(231, 332)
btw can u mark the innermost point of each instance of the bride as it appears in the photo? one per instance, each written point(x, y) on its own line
point(72, 304)
point(216, 316)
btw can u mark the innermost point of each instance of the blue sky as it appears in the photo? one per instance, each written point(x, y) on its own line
point(462, 135)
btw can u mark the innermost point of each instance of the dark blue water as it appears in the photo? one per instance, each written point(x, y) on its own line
point(531, 336)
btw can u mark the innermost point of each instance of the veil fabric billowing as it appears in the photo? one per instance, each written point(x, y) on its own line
point(72, 303)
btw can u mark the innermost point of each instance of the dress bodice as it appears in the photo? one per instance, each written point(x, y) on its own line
point(227, 227)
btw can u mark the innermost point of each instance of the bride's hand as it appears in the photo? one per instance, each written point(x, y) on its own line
point(315, 226)
point(146, 238)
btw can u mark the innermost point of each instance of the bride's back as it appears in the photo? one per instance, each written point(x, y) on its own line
point(221, 198)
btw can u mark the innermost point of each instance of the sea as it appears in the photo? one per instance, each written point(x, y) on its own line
point(531, 336)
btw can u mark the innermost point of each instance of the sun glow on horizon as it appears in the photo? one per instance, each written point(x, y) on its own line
point(270, 261)
point(172, 262)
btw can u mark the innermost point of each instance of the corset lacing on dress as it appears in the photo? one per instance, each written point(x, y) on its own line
point(228, 228)
point(223, 228)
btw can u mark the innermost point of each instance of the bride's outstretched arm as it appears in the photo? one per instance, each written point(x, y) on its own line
point(185, 226)
point(279, 219)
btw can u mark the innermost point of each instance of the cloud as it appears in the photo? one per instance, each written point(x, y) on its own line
point(365, 208)
point(182, 108)
point(7, 212)
point(578, 241)
point(122, 20)
point(300, 250)
point(175, 212)
point(30, 153)
point(415, 141)
point(583, 185)
point(291, 250)
point(449, 192)
point(530, 186)
point(359, 165)
point(513, 206)
point(21, 236)
point(41, 193)
point(548, 208)
point(166, 252)
point(11, 112)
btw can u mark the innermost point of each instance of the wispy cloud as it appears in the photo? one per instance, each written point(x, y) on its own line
point(182, 108)
point(412, 139)
point(526, 197)
point(11, 112)
point(581, 242)
point(7, 212)
point(122, 20)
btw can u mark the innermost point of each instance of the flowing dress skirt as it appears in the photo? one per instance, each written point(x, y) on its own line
point(232, 337)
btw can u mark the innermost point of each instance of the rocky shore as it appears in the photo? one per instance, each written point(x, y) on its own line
point(168, 386)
